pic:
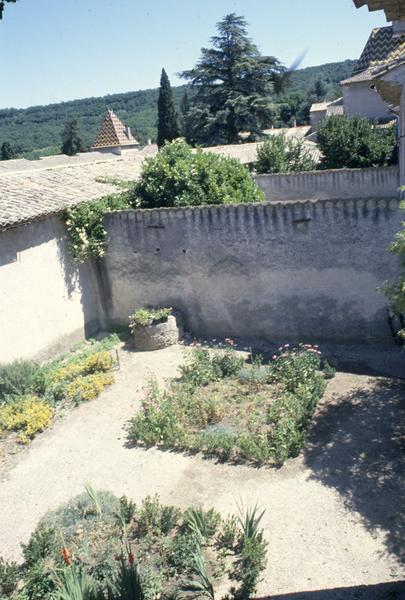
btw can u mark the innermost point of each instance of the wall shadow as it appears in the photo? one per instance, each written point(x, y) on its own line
point(356, 446)
point(380, 591)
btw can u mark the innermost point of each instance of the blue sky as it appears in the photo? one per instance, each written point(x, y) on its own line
point(55, 50)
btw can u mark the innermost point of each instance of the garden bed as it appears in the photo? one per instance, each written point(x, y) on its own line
point(98, 546)
point(32, 396)
point(238, 411)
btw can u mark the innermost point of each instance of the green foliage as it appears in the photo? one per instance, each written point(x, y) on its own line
point(211, 408)
point(19, 378)
point(202, 524)
point(72, 142)
point(84, 223)
point(230, 533)
point(148, 316)
point(203, 366)
point(40, 545)
point(202, 582)
point(80, 551)
point(168, 123)
point(129, 585)
point(7, 151)
point(35, 131)
point(233, 83)
point(9, 577)
point(177, 176)
point(75, 584)
point(355, 143)
point(279, 154)
point(395, 291)
point(250, 565)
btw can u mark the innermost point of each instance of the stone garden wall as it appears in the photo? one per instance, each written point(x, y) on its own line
point(277, 271)
point(381, 182)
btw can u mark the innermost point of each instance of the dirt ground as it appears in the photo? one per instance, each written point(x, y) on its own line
point(334, 516)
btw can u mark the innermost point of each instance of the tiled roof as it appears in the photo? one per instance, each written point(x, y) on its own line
point(394, 9)
point(48, 186)
point(113, 133)
point(247, 153)
point(382, 46)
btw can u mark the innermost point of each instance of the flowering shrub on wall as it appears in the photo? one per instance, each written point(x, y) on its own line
point(87, 235)
point(396, 291)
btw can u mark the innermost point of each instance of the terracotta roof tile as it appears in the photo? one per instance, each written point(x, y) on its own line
point(114, 133)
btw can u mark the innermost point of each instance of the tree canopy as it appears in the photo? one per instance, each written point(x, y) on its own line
point(2, 4)
point(72, 142)
point(233, 84)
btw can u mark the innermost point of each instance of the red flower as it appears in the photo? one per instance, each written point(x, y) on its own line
point(131, 558)
point(66, 555)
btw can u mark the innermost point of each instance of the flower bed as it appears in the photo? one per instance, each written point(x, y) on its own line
point(239, 412)
point(31, 394)
point(98, 546)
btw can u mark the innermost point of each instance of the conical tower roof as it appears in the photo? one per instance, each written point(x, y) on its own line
point(114, 133)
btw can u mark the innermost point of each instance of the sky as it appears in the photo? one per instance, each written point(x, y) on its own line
point(56, 50)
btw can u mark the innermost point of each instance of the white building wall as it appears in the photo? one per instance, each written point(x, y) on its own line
point(360, 100)
point(46, 302)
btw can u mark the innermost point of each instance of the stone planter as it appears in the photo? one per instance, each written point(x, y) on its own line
point(158, 335)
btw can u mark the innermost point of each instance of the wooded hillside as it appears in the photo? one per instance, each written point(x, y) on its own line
point(36, 131)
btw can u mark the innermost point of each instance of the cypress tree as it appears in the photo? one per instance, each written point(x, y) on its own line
point(72, 142)
point(7, 151)
point(168, 123)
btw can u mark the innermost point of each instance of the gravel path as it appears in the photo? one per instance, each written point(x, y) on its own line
point(333, 516)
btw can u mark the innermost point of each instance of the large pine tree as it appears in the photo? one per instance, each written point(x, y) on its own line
point(233, 84)
point(168, 123)
point(72, 142)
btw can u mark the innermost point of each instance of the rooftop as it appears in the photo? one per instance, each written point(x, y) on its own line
point(394, 9)
point(114, 133)
point(382, 47)
point(33, 189)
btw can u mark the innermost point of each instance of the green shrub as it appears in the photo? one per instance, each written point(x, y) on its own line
point(279, 154)
point(148, 316)
point(204, 366)
point(84, 222)
point(355, 142)
point(19, 378)
point(179, 176)
point(9, 577)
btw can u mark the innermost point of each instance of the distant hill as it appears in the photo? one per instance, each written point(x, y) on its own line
point(36, 131)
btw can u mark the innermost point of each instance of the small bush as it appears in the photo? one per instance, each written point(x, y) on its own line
point(84, 223)
point(178, 176)
point(145, 316)
point(355, 142)
point(98, 362)
point(9, 577)
point(204, 366)
point(88, 387)
point(27, 416)
point(279, 154)
point(19, 378)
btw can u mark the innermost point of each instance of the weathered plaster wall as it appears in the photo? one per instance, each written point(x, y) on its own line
point(292, 271)
point(379, 182)
point(46, 303)
point(359, 99)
